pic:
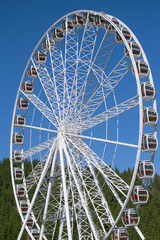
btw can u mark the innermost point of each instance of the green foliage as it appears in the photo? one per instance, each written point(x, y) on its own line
point(10, 222)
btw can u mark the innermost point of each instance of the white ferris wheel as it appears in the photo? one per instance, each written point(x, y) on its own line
point(85, 107)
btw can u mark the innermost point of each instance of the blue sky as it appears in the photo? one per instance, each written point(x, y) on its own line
point(23, 23)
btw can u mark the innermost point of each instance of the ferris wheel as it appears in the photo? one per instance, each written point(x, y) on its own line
point(85, 107)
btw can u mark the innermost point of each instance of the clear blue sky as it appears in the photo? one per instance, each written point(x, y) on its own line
point(22, 24)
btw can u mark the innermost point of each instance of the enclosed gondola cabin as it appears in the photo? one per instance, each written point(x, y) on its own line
point(32, 72)
point(139, 195)
point(18, 138)
point(27, 87)
point(135, 49)
point(23, 206)
point(48, 45)
point(18, 173)
point(35, 234)
point(67, 25)
point(57, 34)
point(77, 20)
point(120, 234)
point(17, 156)
point(111, 28)
point(142, 68)
point(23, 104)
point(150, 116)
point(130, 217)
point(147, 91)
point(30, 222)
point(40, 57)
point(101, 22)
point(20, 191)
point(19, 120)
point(89, 18)
point(146, 169)
point(149, 143)
point(126, 34)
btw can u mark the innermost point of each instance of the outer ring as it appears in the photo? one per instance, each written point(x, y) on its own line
point(108, 18)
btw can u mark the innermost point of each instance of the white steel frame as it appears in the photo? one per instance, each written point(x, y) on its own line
point(72, 100)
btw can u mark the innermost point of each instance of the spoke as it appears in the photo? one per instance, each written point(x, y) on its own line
point(71, 61)
point(105, 51)
point(65, 191)
point(41, 107)
point(57, 64)
point(103, 168)
point(74, 204)
point(104, 140)
point(106, 86)
point(54, 204)
point(110, 113)
point(83, 225)
point(38, 148)
point(53, 214)
point(82, 69)
point(38, 128)
point(35, 175)
point(93, 189)
point(54, 80)
point(113, 191)
point(81, 194)
point(107, 216)
point(93, 195)
point(48, 195)
point(63, 232)
point(58, 213)
point(37, 190)
point(89, 67)
point(49, 89)
point(101, 59)
point(139, 233)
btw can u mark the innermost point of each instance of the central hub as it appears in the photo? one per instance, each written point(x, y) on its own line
point(62, 130)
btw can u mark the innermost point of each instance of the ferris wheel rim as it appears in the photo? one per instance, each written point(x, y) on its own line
point(140, 102)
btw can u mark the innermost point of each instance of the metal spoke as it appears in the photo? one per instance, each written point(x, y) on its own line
point(58, 72)
point(100, 60)
point(48, 195)
point(42, 146)
point(37, 190)
point(57, 100)
point(49, 89)
point(94, 230)
point(41, 107)
point(83, 225)
point(70, 62)
point(82, 69)
point(93, 189)
point(37, 128)
point(139, 233)
point(65, 190)
point(109, 173)
point(107, 85)
point(103, 140)
point(110, 113)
